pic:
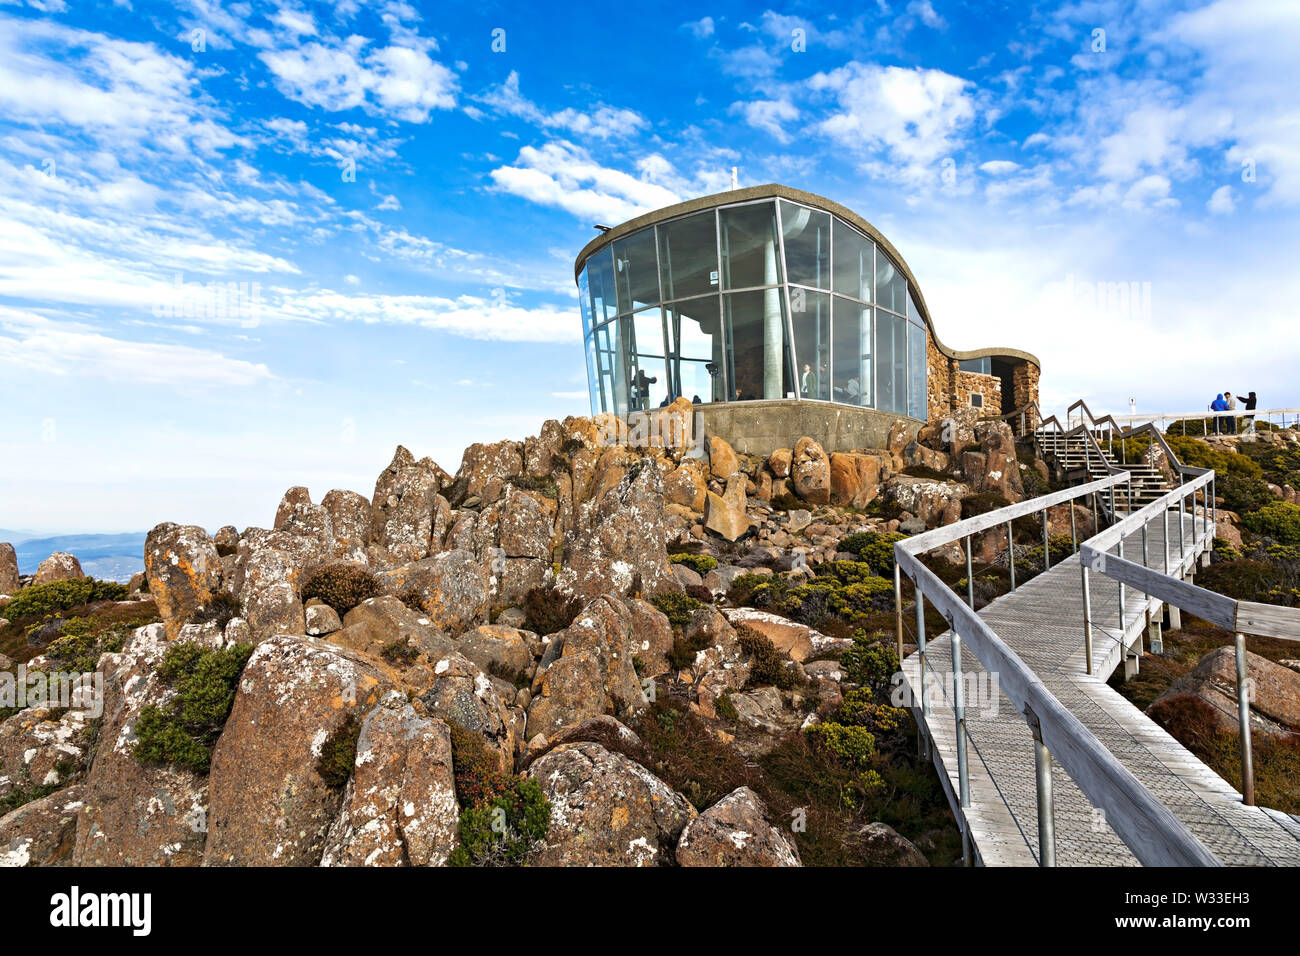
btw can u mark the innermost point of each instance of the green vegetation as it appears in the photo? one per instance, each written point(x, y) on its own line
point(338, 755)
point(679, 607)
point(1279, 520)
point(544, 486)
point(183, 731)
point(701, 564)
point(37, 600)
point(929, 474)
point(1239, 479)
point(870, 662)
point(503, 817)
point(874, 548)
point(841, 594)
point(341, 586)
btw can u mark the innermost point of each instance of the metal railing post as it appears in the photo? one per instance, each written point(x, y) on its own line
point(920, 645)
point(898, 609)
point(1047, 547)
point(1011, 555)
point(1243, 717)
point(1182, 538)
point(1074, 534)
point(970, 577)
point(1043, 786)
point(959, 714)
point(1087, 620)
point(1119, 553)
point(1164, 516)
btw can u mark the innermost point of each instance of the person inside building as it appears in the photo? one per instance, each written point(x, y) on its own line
point(642, 388)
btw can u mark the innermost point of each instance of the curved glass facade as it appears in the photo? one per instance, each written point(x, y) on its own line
point(759, 300)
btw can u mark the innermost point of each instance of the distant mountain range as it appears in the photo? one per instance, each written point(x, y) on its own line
point(111, 557)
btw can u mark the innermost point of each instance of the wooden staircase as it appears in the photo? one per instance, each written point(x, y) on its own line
point(1080, 460)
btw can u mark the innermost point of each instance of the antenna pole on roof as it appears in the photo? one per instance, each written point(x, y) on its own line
point(735, 181)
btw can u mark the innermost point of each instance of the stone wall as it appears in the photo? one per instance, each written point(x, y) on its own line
point(760, 428)
point(940, 373)
point(1024, 387)
point(967, 384)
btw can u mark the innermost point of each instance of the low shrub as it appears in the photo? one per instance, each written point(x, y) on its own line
point(1239, 479)
point(1250, 580)
point(1279, 520)
point(504, 830)
point(221, 608)
point(341, 586)
point(768, 666)
point(870, 662)
point(922, 471)
point(679, 607)
point(700, 593)
point(338, 755)
point(701, 564)
point(183, 731)
point(549, 610)
point(875, 548)
point(82, 641)
point(37, 600)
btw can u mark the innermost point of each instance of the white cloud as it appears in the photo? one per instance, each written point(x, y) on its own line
point(999, 167)
point(602, 122)
point(700, 28)
point(1222, 202)
point(396, 81)
point(775, 117)
point(926, 12)
point(35, 343)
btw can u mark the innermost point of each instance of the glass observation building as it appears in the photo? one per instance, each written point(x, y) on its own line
point(763, 293)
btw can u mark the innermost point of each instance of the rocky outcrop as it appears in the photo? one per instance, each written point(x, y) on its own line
point(60, 566)
point(451, 587)
point(723, 462)
point(349, 517)
point(1275, 698)
point(42, 832)
point(606, 810)
point(9, 583)
point(269, 571)
point(725, 515)
point(400, 806)
point(133, 814)
point(736, 831)
point(882, 845)
point(462, 694)
point(270, 805)
point(855, 478)
point(810, 471)
point(183, 569)
point(403, 505)
point(298, 515)
point(934, 502)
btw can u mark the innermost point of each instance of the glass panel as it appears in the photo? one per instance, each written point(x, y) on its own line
point(811, 312)
point(749, 246)
point(982, 365)
point(852, 353)
point(584, 303)
point(891, 356)
point(891, 287)
point(635, 271)
point(853, 263)
point(696, 363)
point(916, 369)
point(648, 372)
point(807, 236)
point(913, 313)
point(688, 256)
point(600, 282)
point(759, 353)
point(593, 376)
point(611, 369)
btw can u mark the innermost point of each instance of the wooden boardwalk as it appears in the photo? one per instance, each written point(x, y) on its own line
point(1042, 621)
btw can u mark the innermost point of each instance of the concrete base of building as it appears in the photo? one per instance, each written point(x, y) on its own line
point(761, 427)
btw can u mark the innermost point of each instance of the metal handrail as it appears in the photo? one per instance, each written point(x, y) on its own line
point(1241, 617)
point(1147, 826)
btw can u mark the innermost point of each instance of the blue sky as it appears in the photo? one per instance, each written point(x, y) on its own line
point(409, 201)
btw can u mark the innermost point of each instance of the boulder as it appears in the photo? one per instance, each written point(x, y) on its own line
point(736, 831)
point(9, 583)
point(1276, 689)
point(183, 570)
point(484, 469)
point(60, 566)
point(723, 462)
point(619, 539)
point(400, 805)
point(855, 478)
point(502, 651)
point(934, 502)
point(884, 846)
point(451, 587)
point(42, 832)
point(760, 708)
point(270, 804)
point(297, 515)
point(322, 619)
point(995, 468)
point(403, 505)
point(349, 516)
point(778, 463)
point(542, 453)
point(269, 571)
point(798, 641)
point(378, 627)
point(918, 455)
point(899, 437)
point(462, 694)
point(606, 810)
point(527, 524)
point(227, 540)
point(686, 486)
point(43, 747)
point(725, 515)
point(811, 472)
point(133, 814)
point(651, 637)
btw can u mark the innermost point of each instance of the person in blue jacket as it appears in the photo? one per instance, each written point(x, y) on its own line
point(1220, 404)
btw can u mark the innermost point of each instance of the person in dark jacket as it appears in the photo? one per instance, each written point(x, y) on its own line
point(1249, 403)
